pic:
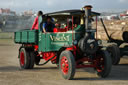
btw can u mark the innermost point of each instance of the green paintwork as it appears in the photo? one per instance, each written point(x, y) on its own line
point(49, 41)
point(26, 36)
point(55, 41)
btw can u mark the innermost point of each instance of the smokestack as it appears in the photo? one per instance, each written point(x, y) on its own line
point(88, 25)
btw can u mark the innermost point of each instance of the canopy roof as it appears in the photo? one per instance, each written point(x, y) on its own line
point(70, 13)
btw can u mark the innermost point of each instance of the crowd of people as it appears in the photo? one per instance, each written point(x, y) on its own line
point(47, 24)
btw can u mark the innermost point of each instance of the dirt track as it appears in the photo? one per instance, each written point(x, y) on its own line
point(10, 74)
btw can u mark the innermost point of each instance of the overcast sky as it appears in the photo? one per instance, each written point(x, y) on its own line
point(54, 5)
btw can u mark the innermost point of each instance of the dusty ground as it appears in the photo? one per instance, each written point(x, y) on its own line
point(10, 74)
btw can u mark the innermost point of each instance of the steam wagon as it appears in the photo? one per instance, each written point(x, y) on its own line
point(71, 45)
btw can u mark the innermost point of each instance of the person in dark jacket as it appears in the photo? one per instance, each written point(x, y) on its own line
point(48, 25)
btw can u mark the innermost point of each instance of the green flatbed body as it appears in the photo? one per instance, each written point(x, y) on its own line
point(26, 37)
point(49, 41)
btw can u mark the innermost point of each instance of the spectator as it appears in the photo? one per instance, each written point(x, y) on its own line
point(35, 24)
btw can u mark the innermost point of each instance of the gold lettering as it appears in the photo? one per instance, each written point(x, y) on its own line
point(59, 38)
point(51, 37)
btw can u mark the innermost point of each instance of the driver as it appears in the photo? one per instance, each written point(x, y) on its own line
point(48, 25)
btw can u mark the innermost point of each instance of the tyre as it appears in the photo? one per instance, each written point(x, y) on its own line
point(24, 58)
point(32, 59)
point(115, 54)
point(104, 65)
point(67, 65)
point(37, 58)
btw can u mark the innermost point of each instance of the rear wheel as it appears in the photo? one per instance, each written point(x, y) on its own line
point(104, 64)
point(24, 58)
point(67, 65)
point(115, 54)
point(32, 59)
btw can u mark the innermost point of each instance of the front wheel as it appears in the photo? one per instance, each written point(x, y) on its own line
point(104, 64)
point(67, 65)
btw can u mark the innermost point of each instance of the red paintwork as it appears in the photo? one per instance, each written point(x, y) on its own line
point(74, 49)
point(49, 55)
point(28, 45)
point(64, 65)
point(22, 58)
point(97, 63)
point(69, 49)
point(36, 47)
point(85, 66)
point(55, 30)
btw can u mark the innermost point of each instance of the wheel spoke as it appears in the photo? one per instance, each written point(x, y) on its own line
point(64, 65)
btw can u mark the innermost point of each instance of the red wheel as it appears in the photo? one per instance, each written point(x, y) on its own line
point(24, 58)
point(67, 65)
point(64, 65)
point(104, 64)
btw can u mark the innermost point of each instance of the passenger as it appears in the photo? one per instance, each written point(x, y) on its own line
point(35, 24)
point(75, 25)
point(58, 25)
point(76, 22)
point(48, 25)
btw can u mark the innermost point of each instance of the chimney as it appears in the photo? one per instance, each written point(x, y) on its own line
point(88, 23)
